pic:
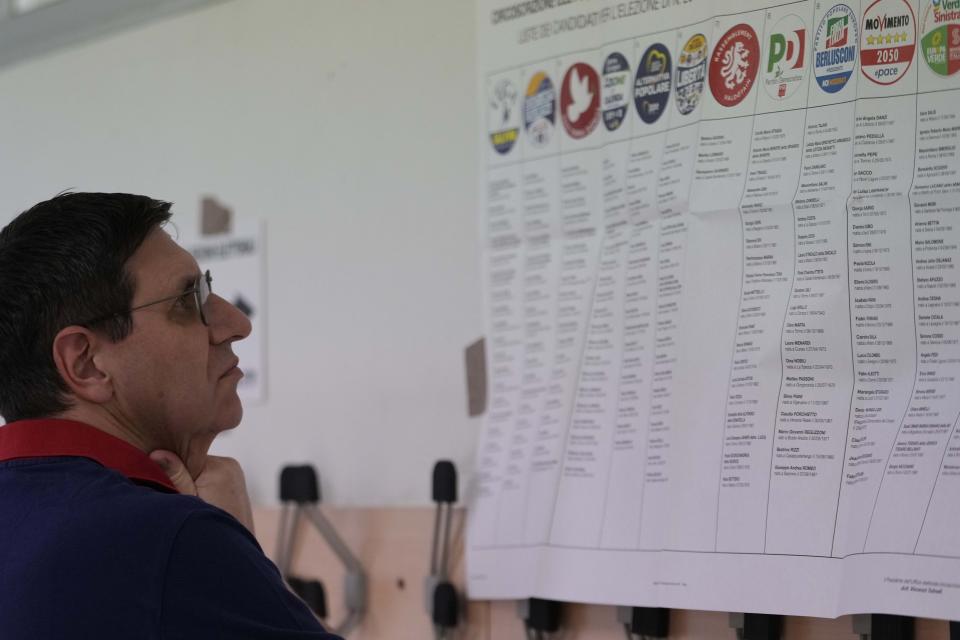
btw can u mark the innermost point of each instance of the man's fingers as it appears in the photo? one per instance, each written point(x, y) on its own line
point(175, 470)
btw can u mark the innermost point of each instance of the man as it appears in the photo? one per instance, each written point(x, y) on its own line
point(116, 375)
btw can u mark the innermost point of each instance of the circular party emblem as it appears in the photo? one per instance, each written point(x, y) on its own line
point(941, 40)
point(733, 65)
point(888, 40)
point(691, 72)
point(785, 68)
point(540, 110)
point(616, 79)
point(503, 117)
point(651, 88)
point(835, 48)
point(580, 100)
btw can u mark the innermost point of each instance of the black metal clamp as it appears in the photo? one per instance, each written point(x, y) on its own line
point(877, 626)
point(757, 626)
point(644, 622)
point(443, 601)
point(541, 618)
point(300, 496)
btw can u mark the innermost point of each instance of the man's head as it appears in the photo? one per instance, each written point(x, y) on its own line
point(71, 270)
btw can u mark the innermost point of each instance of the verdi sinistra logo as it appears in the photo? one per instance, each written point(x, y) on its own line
point(940, 45)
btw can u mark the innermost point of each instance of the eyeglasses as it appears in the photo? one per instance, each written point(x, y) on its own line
point(200, 292)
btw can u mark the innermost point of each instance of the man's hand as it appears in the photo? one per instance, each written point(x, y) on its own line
point(220, 482)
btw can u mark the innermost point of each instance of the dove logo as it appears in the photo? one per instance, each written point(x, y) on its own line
point(888, 41)
point(616, 98)
point(651, 88)
point(580, 100)
point(734, 65)
point(786, 66)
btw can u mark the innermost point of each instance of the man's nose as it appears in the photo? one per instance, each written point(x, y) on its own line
point(227, 323)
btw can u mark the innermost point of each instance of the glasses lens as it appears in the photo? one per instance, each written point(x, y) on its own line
point(203, 294)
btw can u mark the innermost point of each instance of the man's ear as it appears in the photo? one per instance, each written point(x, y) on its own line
point(74, 351)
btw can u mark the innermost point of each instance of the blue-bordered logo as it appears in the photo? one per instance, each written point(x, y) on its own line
point(651, 88)
point(835, 48)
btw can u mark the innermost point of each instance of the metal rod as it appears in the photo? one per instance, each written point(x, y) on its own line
point(289, 520)
point(282, 535)
point(446, 541)
point(436, 539)
point(333, 538)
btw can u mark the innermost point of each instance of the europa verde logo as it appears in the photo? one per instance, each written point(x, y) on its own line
point(941, 40)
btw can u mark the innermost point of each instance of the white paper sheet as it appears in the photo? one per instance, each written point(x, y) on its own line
point(724, 308)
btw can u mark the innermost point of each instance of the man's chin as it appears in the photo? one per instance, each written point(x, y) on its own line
point(231, 415)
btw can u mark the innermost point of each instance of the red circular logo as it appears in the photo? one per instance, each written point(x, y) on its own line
point(580, 100)
point(734, 65)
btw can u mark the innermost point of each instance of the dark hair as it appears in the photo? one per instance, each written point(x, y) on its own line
point(62, 263)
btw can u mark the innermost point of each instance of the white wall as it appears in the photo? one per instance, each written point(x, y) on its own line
point(348, 126)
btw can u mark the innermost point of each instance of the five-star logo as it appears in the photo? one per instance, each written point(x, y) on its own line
point(940, 44)
point(616, 98)
point(651, 88)
point(888, 40)
point(580, 100)
point(504, 120)
point(691, 72)
point(835, 48)
point(734, 65)
point(786, 61)
point(540, 110)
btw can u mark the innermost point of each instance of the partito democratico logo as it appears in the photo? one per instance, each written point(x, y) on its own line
point(941, 36)
point(835, 48)
point(785, 68)
point(580, 100)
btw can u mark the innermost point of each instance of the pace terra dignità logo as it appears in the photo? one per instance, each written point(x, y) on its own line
point(888, 40)
point(835, 48)
point(540, 110)
point(786, 61)
point(651, 88)
point(503, 116)
point(941, 36)
point(734, 64)
point(580, 100)
point(616, 94)
point(691, 73)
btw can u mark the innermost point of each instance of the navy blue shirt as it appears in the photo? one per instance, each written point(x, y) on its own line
point(96, 543)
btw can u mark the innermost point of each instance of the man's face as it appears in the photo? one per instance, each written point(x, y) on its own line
point(175, 379)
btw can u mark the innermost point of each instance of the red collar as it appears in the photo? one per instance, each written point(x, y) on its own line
point(52, 437)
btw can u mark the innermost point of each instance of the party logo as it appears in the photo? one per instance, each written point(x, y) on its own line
point(888, 40)
point(540, 110)
point(580, 100)
point(786, 68)
point(616, 96)
point(835, 48)
point(940, 44)
point(691, 73)
point(651, 87)
point(503, 117)
point(734, 65)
